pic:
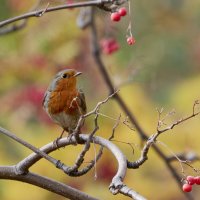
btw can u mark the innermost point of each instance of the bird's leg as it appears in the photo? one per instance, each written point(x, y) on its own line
point(55, 142)
point(61, 134)
point(78, 140)
point(76, 136)
point(70, 135)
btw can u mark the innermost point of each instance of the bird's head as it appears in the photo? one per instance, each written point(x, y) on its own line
point(64, 80)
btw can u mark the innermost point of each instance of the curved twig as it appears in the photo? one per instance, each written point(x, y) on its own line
point(117, 185)
point(48, 148)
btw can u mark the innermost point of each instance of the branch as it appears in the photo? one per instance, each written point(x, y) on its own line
point(114, 128)
point(89, 166)
point(13, 28)
point(116, 186)
point(180, 121)
point(39, 13)
point(190, 156)
point(9, 172)
point(152, 139)
point(29, 146)
point(95, 112)
point(48, 148)
point(119, 100)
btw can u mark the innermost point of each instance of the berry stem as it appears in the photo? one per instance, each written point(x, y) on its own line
point(129, 29)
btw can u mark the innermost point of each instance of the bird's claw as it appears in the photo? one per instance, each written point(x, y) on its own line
point(56, 143)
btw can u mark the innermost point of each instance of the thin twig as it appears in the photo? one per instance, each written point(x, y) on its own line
point(153, 138)
point(128, 143)
point(180, 121)
point(181, 161)
point(80, 158)
point(45, 9)
point(191, 156)
point(89, 166)
point(114, 127)
point(127, 123)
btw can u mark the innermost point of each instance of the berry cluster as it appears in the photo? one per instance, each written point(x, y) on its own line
point(109, 45)
point(116, 16)
point(190, 180)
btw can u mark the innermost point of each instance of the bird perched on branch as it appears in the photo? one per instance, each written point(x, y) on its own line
point(63, 102)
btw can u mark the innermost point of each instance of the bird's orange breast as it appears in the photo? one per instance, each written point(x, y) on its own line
point(63, 101)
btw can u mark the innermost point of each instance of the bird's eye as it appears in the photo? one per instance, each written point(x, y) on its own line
point(65, 76)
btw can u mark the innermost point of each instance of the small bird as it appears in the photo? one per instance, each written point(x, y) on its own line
point(63, 102)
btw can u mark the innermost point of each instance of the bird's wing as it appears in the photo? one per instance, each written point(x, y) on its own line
point(81, 101)
point(46, 99)
point(43, 102)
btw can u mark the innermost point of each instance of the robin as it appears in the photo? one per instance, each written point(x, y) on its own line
point(63, 102)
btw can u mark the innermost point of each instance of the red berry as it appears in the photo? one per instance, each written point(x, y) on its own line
point(131, 40)
point(109, 45)
point(122, 11)
point(197, 180)
point(190, 180)
point(115, 17)
point(187, 188)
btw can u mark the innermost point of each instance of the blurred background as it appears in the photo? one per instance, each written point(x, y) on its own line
point(162, 69)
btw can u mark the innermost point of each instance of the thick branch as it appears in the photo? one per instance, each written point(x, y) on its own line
point(9, 172)
point(13, 28)
point(29, 146)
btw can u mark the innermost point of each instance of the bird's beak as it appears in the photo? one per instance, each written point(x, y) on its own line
point(77, 74)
